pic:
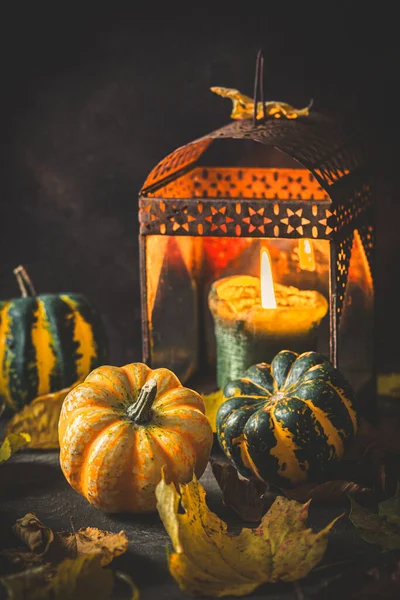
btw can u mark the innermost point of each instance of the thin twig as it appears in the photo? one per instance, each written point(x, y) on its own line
point(298, 592)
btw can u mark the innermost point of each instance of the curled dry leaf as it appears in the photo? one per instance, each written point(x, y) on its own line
point(208, 561)
point(382, 528)
point(246, 497)
point(212, 402)
point(77, 579)
point(40, 419)
point(33, 533)
point(12, 443)
point(329, 491)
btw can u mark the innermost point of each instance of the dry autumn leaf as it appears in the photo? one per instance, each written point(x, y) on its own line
point(64, 565)
point(246, 497)
point(11, 444)
point(249, 499)
point(208, 561)
point(33, 533)
point(329, 491)
point(212, 402)
point(31, 583)
point(49, 546)
point(82, 578)
point(90, 540)
point(77, 579)
point(382, 528)
point(40, 419)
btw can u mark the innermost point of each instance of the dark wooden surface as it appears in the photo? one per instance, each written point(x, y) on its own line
point(33, 481)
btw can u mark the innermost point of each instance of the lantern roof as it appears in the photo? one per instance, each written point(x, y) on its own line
point(328, 150)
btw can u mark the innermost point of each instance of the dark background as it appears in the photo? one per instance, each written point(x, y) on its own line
point(92, 100)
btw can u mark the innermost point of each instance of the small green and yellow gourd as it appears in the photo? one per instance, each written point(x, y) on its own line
point(287, 422)
point(47, 342)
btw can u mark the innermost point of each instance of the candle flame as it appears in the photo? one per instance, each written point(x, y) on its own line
point(306, 255)
point(267, 283)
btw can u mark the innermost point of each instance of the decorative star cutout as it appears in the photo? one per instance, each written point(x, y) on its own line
point(181, 219)
point(295, 221)
point(256, 220)
point(330, 218)
point(218, 219)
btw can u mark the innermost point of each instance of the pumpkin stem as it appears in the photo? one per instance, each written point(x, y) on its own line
point(141, 410)
point(24, 282)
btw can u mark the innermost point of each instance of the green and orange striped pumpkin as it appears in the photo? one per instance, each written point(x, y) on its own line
point(288, 422)
point(47, 343)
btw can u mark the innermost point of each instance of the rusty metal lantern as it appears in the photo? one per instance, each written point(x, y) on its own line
point(205, 209)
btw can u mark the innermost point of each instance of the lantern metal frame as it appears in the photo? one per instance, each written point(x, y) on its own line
point(335, 159)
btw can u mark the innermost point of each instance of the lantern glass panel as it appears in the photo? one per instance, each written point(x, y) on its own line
point(356, 319)
point(180, 271)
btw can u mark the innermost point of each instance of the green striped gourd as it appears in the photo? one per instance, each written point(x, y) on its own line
point(47, 342)
point(287, 422)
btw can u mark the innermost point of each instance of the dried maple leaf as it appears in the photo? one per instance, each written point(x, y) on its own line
point(40, 419)
point(247, 497)
point(208, 561)
point(12, 443)
point(382, 528)
point(212, 402)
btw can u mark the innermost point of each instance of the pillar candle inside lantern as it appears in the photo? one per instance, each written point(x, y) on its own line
point(255, 318)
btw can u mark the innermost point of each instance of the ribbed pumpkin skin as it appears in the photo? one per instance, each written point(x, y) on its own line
point(113, 461)
point(47, 343)
point(286, 422)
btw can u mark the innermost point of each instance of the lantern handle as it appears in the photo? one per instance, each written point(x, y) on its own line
point(259, 86)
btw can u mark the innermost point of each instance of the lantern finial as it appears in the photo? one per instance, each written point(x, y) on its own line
point(245, 107)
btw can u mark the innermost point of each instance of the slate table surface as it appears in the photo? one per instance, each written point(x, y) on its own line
point(32, 481)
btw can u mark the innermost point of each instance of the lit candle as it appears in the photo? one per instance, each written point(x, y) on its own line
point(254, 319)
point(306, 255)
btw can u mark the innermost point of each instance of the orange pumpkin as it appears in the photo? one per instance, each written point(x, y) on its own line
point(121, 425)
